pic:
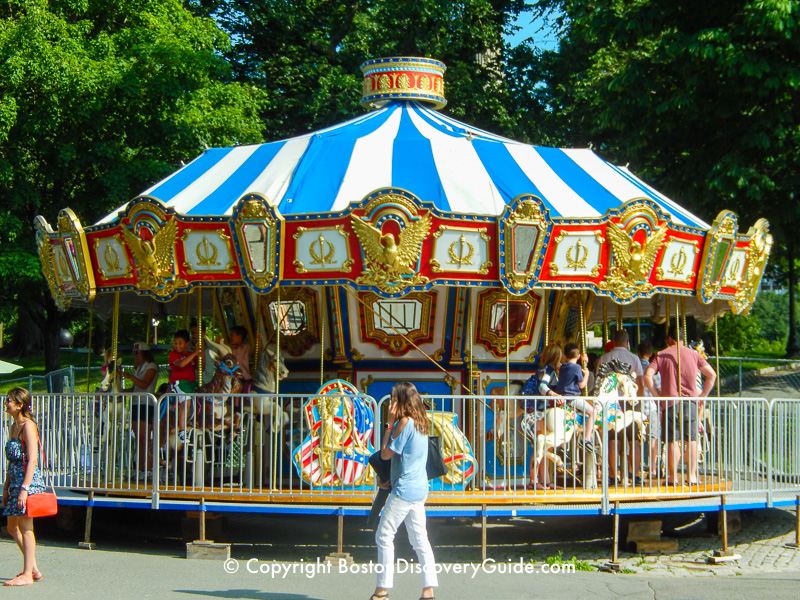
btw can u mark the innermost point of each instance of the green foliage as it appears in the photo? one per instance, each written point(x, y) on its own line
point(99, 100)
point(306, 54)
point(737, 333)
point(700, 98)
point(558, 559)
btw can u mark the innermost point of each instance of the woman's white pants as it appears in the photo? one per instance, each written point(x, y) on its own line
point(398, 511)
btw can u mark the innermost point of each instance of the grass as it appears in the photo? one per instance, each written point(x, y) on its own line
point(558, 559)
point(35, 366)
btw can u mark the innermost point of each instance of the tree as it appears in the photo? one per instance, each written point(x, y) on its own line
point(99, 100)
point(702, 99)
point(306, 54)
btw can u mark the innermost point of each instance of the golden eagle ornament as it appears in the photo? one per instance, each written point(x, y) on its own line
point(391, 265)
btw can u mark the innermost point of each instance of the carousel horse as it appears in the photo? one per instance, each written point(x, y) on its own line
point(212, 414)
point(271, 369)
point(562, 425)
point(616, 392)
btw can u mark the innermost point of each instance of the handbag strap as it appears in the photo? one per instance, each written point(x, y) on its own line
point(42, 454)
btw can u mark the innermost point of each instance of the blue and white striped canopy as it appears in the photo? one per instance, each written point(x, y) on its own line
point(405, 145)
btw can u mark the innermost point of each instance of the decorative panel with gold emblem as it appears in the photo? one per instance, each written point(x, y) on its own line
point(678, 261)
point(207, 251)
point(321, 249)
point(257, 234)
point(720, 241)
point(635, 239)
point(525, 229)
point(577, 254)
point(736, 271)
point(505, 319)
point(111, 258)
point(460, 250)
point(758, 249)
point(393, 323)
point(151, 235)
point(296, 311)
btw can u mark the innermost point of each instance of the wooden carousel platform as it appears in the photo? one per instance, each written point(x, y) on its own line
point(498, 495)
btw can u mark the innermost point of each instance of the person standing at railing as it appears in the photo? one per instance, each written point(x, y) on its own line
point(23, 479)
point(143, 413)
point(679, 421)
point(650, 408)
point(405, 442)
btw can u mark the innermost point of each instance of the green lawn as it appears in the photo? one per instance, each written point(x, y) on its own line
point(34, 366)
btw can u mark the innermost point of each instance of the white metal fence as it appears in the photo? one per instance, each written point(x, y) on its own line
point(498, 449)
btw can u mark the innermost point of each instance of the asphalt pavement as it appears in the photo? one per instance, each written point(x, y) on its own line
point(140, 554)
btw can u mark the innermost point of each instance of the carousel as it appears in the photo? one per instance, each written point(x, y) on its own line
point(399, 245)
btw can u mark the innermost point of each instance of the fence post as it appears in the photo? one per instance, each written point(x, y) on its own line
point(770, 451)
point(740, 378)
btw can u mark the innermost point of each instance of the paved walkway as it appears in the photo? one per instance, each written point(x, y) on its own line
point(140, 556)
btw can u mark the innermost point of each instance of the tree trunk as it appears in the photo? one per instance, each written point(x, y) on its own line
point(52, 331)
point(792, 349)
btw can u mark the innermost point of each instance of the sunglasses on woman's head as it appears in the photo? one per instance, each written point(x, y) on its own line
point(135, 352)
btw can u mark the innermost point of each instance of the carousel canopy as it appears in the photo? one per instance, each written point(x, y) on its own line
point(405, 145)
point(404, 199)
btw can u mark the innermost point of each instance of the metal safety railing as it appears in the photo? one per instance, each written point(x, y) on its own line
point(301, 448)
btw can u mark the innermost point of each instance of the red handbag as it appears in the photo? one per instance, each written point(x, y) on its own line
point(44, 504)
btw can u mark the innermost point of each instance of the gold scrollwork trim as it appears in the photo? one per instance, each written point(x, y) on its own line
point(366, 382)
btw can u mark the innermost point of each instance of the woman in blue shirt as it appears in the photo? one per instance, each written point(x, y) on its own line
point(405, 442)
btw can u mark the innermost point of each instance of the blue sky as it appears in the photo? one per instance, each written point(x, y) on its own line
point(545, 39)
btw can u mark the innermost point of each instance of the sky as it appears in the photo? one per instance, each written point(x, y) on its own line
point(545, 39)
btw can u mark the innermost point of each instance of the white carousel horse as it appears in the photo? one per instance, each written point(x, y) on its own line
point(561, 425)
point(271, 369)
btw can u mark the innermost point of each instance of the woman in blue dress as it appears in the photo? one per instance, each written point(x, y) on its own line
point(23, 479)
point(405, 442)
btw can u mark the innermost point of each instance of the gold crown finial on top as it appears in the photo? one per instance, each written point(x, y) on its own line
point(403, 78)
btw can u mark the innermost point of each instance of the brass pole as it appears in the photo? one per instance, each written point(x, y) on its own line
point(323, 320)
point(585, 391)
point(683, 324)
point(678, 342)
point(149, 334)
point(638, 325)
point(605, 324)
point(278, 342)
point(508, 348)
point(546, 301)
point(115, 329)
point(717, 349)
point(619, 317)
point(257, 332)
point(200, 335)
point(89, 347)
